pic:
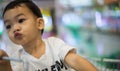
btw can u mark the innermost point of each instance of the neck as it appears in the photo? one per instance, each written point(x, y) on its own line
point(35, 48)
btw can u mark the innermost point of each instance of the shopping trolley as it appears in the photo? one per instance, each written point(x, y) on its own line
point(25, 64)
point(105, 64)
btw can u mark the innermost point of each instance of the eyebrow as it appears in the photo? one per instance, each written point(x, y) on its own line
point(15, 17)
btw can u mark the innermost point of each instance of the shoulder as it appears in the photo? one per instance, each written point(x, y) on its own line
point(17, 52)
point(59, 46)
point(54, 40)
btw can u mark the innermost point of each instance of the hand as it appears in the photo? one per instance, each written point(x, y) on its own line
point(4, 64)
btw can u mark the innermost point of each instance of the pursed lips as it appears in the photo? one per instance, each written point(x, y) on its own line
point(17, 35)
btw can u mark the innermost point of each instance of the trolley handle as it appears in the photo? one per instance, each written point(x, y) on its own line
point(17, 60)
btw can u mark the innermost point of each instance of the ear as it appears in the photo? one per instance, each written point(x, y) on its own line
point(40, 23)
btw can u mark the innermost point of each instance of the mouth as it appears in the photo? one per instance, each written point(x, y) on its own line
point(18, 36)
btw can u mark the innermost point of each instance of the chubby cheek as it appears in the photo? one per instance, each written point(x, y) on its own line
point(10, 35)
point(12, 38)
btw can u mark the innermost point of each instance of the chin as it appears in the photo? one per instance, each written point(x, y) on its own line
point(18, 43)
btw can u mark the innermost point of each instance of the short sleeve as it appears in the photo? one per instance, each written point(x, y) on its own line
point(64, 51)
point(16, 66)
point(61, 48)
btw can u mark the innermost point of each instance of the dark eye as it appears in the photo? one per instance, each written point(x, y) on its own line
point(8, 26)
point(21, 20)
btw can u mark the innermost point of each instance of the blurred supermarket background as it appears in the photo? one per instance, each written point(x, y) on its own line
point(92, 26)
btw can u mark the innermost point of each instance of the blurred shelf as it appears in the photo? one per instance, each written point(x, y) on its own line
point(116, 33)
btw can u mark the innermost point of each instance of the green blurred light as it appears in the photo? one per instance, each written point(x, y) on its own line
point(1, 32)
point(1, 27)
point(1, 1)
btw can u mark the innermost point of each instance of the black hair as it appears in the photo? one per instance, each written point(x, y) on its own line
point(29, 4)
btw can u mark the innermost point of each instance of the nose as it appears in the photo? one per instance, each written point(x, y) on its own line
point(16, 28)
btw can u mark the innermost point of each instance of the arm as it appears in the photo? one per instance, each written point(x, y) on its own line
point(78, 63)
point(4, 64)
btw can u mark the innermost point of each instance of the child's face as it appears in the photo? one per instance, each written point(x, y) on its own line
point(22, 26)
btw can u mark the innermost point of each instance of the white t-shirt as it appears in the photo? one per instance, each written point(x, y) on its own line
point(52, 60)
